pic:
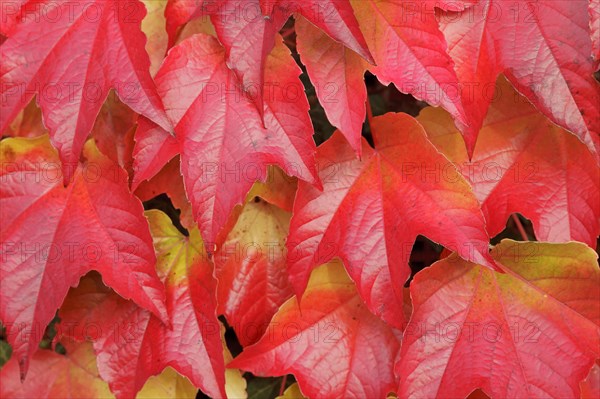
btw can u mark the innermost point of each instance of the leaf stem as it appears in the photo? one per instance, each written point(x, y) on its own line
point(286, 33)
point(369, 113)
point(520, 227)
point(282, 388)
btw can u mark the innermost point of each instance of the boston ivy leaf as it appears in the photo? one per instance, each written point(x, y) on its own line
point(75, 375)
point(251, 269)
point(397, 34)
point(247, 36)
point(594, 10)
point(248, 39)
point(94, 223)
point(247, 29)
point(526, 164)
point(279, 189)
point(168, 384)
point(28, 123)
point(170, 182)
point(331, 343)
point(153, 26)
point(224, 146)
point(154, 148)
point(590, 387)
point(410, 51)
point(134, 345)
point(10, 14)
point(338, 76)
point(179, 12)
point(56, 376)
point(371, 211)
point(451, 5)
point(529, 332)
point(544, 49)
point(334, 17)
point(113, 131)
point(71, 62)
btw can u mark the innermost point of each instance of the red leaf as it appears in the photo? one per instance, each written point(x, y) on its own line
point(153, 149)
point(531, 332)
point(544, 49)
point(133, 344)
point(594, 10)
point(251, 269)
point(410, 51)
point(94, 223)
point(334, 17)
point(524, 163)
point(331, 343)
point(279, 189)
point(113, 131)
point(338, 76)
point(71, 62)
point(590, 387)
point(56, 376)
point(249, 36)
point(371, 211)
point(451, 5)
point(224, 147)
point(180, 12)
point(10, 13)
point(169, 181)
point(28, 123)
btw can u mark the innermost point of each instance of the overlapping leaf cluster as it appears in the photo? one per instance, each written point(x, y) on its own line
point(303, 251)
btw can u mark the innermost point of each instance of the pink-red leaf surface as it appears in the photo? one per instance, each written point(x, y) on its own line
point(56, 376)
point(10, 14)
point(134, 345)
point(410, 51)
point(71, 58)
point(543, 48)
point(52, 235)
point(170, 182)
point(331, 343)
point(594, 10)
point(224, 145)
point(251, 269)
point(279, 189)
point(247, 29)
point(590, 387)
point(531, 332)
point(154, 148)
point(334, 17)
point(180, 12)
point(524, 163)
point(113, 131)
point(371, 211)
point(28, 123)
point(337, 74)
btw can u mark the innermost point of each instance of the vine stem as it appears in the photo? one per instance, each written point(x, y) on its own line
point(520, 227)
point(369, 112)
point(287, 32)
point(282, 388)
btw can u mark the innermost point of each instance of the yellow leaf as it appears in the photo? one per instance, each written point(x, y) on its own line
point(166, 385)
point(292, 392)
